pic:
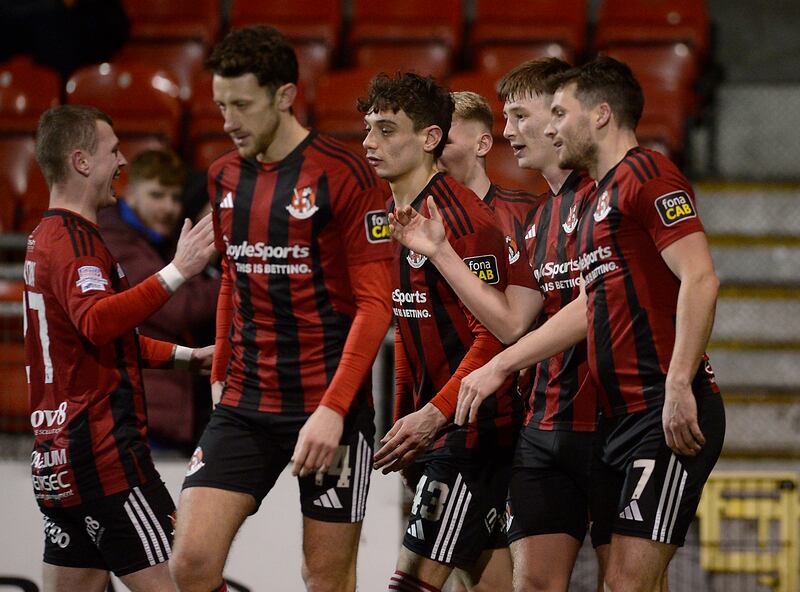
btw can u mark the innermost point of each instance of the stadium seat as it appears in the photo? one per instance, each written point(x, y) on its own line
point(485, 85)
point(25, 195)
point(142, 99)
point(428, 59)
point(502, 169)
point(402, 25)
point(26, 90)
point(498, 59)
point(207, 150)
point(335, 108)
point(623, 22)
point(176, 19)
point(182, 59)
point(534, 24)
point(663, 123)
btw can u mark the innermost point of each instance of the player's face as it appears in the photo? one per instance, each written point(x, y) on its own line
point(570, 132)
point(107, 162)
point(251, 116)
point(526, 119)
point(393, 148)
point(460, 154)
point(158, 206)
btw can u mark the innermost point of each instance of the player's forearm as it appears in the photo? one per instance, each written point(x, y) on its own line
point(563, 330)
point(157, 354)
point(697, 300)
point(490, 306)
point(224, 318)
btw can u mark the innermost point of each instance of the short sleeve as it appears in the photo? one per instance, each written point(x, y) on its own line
point(361, 219)
point(214, 187)
point(667, 210)
point(486, 255)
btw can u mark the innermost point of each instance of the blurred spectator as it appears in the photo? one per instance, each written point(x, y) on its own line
point(140, 232)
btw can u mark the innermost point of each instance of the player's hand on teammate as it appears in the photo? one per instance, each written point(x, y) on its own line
point(317, 442)
point(679, 419)
point(201, 359)
point(415, 231)
point(475, 388)
point(409, 437)
point(195, 246)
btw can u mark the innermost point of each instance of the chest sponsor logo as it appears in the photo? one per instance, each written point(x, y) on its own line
point(91, 278)
point(603, 207)
point(227, 202)
point(401, 299)
point(29, 273)
point(415, 260)
point(51, 458)
point(303, 204)
point(49, 420)
point(572, 220)
point(196, 463)
point(675, 207)
point(269, 259)
point(485, 267)
point(513, 250)
point(596, 261)
point(558, 275)
point(377, 226)
point(54, 486)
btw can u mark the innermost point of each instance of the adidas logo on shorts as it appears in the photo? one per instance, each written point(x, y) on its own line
point(329, 499)
point(631, 512)
point(415, 530)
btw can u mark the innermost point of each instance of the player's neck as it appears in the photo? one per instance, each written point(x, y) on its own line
point(406, 188)
point(610, 152)
point(555, 177)
point(287, 137)
point(478, 181)
point(74, 198)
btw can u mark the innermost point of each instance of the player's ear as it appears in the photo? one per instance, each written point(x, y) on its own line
point(80, 162)
point(433, 135)
point(484, 144)
point(285, 96)
point(601, 116)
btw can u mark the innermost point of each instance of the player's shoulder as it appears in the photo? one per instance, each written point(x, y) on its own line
point(228, 159)
point(517, 201)
point(463, 212)
point(642, 166)
point(339, 160)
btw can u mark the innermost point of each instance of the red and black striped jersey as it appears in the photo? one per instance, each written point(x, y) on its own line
point(563, 396)
point(640, 207)
point(439, 336)
point(291, 230)
point(87, 404)
point(514, 210)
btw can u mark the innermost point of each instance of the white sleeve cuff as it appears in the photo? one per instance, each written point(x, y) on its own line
point(182, 357)
point(171, 277)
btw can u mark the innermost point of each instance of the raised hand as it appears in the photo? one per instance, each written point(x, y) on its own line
point(195, 246)
point(416, 232)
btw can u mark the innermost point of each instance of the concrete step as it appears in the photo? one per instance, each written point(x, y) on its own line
point(756, 369)
point(757, 319)
point(762, 425)
point(750, 210)
point(750, 264)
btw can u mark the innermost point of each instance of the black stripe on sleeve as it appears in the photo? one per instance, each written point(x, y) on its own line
point(647, 172)
point(71, 232)
point(368, 175)
point(652, 162)
point(633, 167)
point(358, 175)
point(458, 204)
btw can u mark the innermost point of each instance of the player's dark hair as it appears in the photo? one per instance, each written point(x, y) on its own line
point(606, 80)
point(260, 50)
point(531, 79)
point(163, 166)
point(61, 130)
point(420, 97)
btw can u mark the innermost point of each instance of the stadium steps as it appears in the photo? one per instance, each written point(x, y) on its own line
point(754, 233)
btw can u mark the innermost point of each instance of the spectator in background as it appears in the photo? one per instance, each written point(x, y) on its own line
point(140, 232)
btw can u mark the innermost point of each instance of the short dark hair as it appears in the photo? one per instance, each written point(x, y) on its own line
point(260, 50)
point(61, 130)
point(163, 166)
point(606, 80)
point(530, 79)
point(420, 97)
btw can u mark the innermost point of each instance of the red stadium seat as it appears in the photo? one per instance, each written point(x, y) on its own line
point(663, 122)
point(302, 21)
point(176, 19)
point(182, 59)
point(25, 193)
point(207, 150)
point(536, 24)
point(649, 22)
point(499, 58)
point(26, 90)
point(502, 169)
point(335, 108)
point(143, 100)
point(425, 59)
point(485, 85)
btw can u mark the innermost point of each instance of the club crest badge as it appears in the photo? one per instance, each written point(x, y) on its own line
point(513, 250)
point(415, 260)
point(603, 207)
point(303, 204)
point(572, 219)
point(196, 463)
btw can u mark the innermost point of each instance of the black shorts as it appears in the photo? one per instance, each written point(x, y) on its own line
point(243, 450)
point(122, 533)
point(661, 490)
point(558, 486)
point(458, 507)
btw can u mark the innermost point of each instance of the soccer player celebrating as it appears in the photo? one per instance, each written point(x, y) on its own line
point(302, 311)
point(464, 471)
point(647, 307)
point(105, 507)
point(555, 457)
